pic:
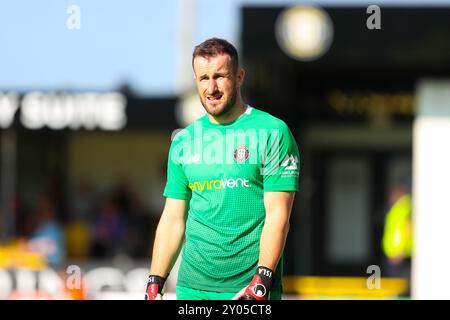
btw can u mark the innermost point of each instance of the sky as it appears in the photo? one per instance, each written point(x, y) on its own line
point(134, 42)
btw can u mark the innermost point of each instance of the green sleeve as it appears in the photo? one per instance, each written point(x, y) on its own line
point(177, 182)
point(282, 161)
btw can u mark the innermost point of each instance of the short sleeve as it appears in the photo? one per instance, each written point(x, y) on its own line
point(281, 165)
point(177, 182)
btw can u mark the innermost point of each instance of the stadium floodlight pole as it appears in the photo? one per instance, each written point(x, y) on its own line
point(184, 45)
point(8, 183)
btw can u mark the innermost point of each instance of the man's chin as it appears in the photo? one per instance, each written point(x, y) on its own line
point(215, 110)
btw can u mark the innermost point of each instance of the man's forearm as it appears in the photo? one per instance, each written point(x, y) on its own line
point(168, 242)
point(273, 239)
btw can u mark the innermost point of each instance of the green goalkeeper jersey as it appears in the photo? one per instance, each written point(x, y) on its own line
point(224, 170)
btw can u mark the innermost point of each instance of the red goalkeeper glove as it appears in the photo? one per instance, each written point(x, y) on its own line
point(155, 287)
point(259, 287)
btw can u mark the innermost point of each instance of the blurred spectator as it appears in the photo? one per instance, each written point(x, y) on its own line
point(47, 237)
point(78, 238)
point(139, 229)
point(122, 195)
point(77, 228)
point(83, 201)
point(55, 192)
point(107, 230)
point(397, 237)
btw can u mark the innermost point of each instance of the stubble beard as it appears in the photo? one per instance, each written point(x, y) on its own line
point(217, 112)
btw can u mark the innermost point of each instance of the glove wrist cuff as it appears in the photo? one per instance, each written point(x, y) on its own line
point(266, 276)
point(160, 281)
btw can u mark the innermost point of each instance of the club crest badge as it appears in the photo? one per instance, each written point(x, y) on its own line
point(241, 154)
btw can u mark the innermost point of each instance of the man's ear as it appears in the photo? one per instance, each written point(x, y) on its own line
point(240, 77)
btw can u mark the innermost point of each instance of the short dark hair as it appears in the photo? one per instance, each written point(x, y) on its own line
point(215, 46)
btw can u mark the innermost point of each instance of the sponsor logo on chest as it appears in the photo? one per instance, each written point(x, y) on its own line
point(217, 184)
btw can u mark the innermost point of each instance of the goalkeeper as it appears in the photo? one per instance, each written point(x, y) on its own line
point(231, 181)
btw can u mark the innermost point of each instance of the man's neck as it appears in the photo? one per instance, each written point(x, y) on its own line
point(235, 112)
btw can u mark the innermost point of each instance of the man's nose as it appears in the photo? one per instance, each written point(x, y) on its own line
point(212, 86)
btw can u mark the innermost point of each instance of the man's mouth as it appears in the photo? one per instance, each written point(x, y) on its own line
point(213, 98)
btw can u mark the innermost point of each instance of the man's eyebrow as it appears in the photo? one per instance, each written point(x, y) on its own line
point(220, 73)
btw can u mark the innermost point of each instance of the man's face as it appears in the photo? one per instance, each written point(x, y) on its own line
point(217, 83)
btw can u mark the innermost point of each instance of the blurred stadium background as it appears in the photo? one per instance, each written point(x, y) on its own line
point(90, 93)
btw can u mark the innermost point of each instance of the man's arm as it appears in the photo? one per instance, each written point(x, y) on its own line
point(168, 242)
point(273, 237)
point(278, 207)
point(169, 236)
